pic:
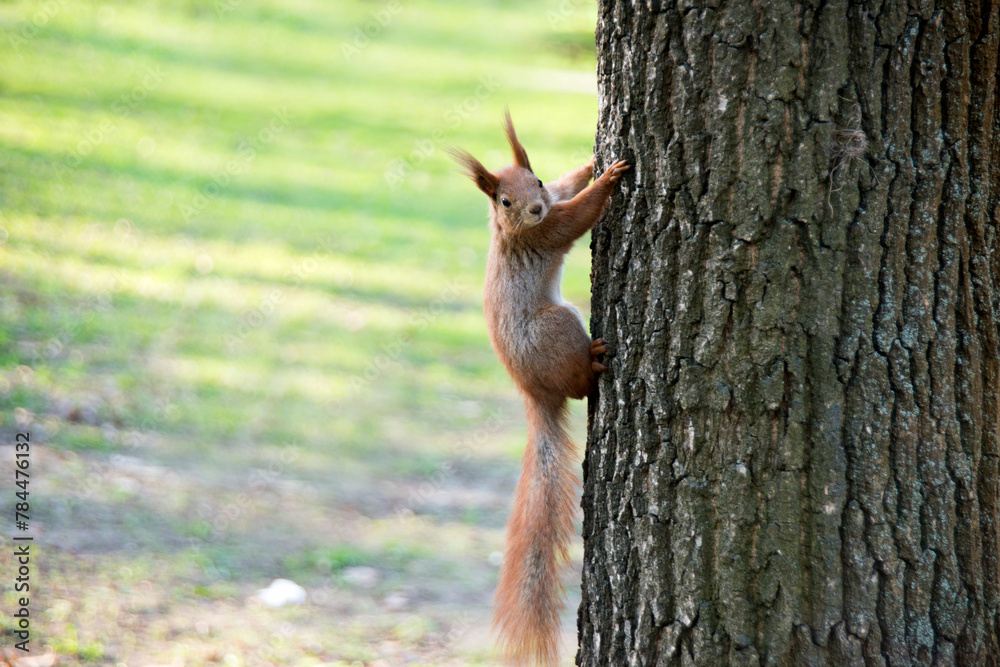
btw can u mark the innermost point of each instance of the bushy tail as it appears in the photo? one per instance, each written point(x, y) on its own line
point(529, 594)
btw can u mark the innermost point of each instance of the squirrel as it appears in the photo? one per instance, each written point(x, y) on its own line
point(542, 342)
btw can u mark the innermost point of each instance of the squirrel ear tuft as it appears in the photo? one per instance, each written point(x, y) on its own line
point(474, 169)
point(520, 155)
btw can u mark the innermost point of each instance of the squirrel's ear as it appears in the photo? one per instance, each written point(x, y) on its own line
point(520, 155)
point(474, 169)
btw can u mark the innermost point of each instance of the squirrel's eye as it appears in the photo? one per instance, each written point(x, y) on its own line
point(540, 183)
point(505, 201)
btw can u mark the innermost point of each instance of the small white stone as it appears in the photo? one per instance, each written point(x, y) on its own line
point(282, 592)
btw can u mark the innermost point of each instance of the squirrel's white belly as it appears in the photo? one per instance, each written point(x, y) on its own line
point(555, 294)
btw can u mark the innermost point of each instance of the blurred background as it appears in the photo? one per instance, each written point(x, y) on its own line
point(240, 318)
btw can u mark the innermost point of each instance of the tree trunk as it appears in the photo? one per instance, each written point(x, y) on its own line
point(793, 459)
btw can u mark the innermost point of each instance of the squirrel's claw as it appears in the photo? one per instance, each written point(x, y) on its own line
point(598, 346)
point(615, 171)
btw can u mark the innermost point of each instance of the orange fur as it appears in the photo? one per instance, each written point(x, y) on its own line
point(541, 341)
point(529, 595)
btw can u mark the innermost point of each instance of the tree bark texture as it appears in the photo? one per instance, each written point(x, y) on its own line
point(793, 457)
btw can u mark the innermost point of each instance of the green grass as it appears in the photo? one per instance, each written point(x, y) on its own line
point(240, 315)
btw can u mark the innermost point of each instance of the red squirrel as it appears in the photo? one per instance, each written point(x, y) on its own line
point(542, 342)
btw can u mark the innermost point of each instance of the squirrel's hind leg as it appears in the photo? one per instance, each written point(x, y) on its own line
point(560, 363)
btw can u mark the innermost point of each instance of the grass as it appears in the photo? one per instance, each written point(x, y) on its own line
point(239, 316)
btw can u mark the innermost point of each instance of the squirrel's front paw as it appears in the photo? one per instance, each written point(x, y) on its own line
point(615, 171)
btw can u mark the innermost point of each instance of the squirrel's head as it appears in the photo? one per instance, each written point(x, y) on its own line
point(519, 200)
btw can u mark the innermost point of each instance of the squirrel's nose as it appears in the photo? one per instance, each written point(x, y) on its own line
point(535, 209)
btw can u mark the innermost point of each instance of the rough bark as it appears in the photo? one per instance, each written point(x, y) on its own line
point(793, 458)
